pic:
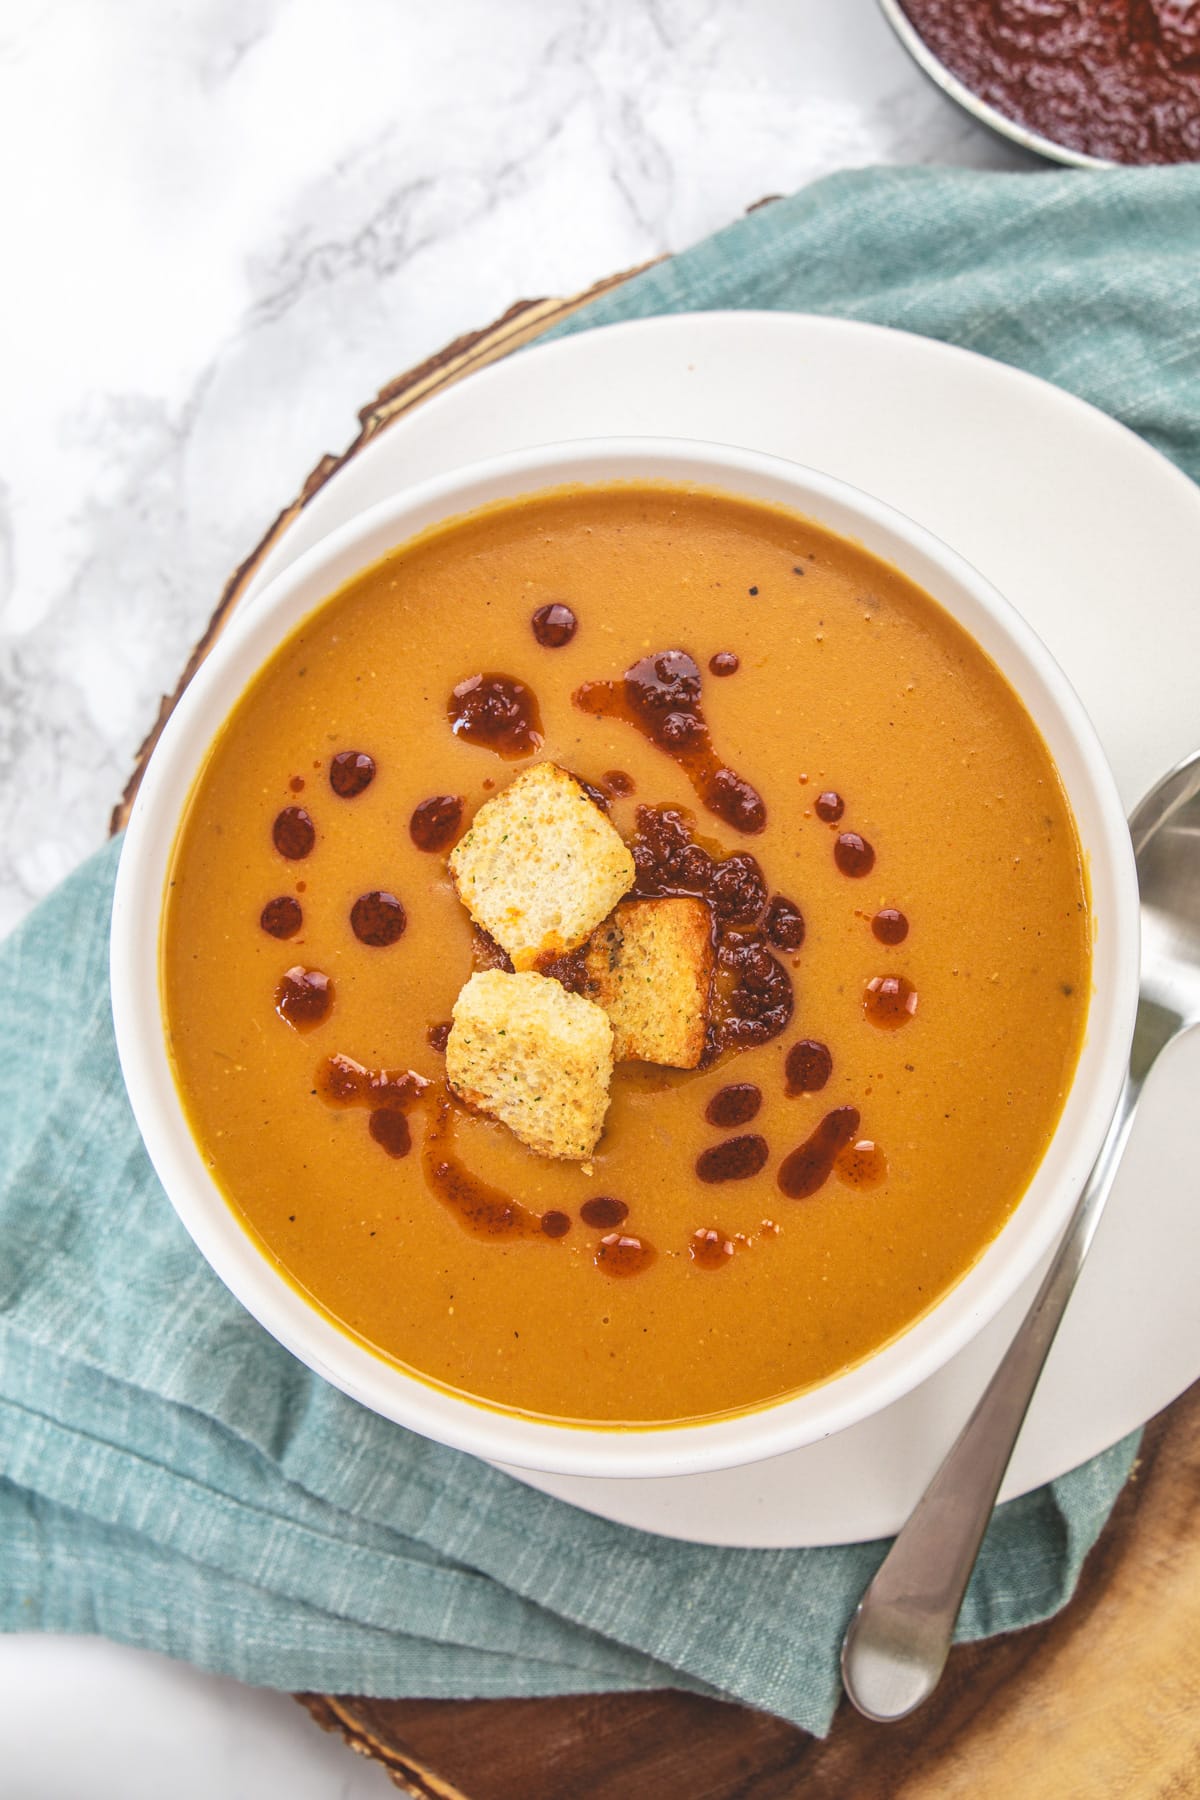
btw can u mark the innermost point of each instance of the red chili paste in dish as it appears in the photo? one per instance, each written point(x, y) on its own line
point(1115, 79)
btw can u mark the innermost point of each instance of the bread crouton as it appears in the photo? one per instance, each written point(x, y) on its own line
point(650, 967)
point(541, 865)
point(535, 1057)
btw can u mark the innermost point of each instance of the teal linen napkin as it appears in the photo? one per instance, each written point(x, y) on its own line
point(171, 1477)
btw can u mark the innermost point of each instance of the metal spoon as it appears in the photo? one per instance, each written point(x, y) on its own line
point(898, 1640)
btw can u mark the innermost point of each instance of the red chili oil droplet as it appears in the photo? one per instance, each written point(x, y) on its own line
point(390, 1131)
point(853, 855)
point(596, 795)
point(282, 917)
point(297, 784)
point(784, 924)
point(303, 997)
point(760, 1003)
point(724, 662)
point(618, 783)
point(350, 772)
point(666, 857)
point(604, 1212)
point(890, 926)
point(554, 625)
point(555, 1224)
point(734, 1160)
point(294, 833)
point(733, 1105)
point(497, 712)
point(829, 806)
point(890, 1001)
point(738, 888)
point(735, 800)
point(397, 1088)
point(660, 696)
point(808, 1167)
point(621, 1256)
point(486, 952)
point(481, 1209)
point(861, 1165)
point(438, 1036)
point(378, 919)
point(711, 1247)
point(568, 968)
point(343, 1082)
point(435, 823)
point(808, 1067)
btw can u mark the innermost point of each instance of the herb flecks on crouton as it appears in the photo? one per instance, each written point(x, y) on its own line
point(541, 865)
point(535, 1057)
point(650, 966)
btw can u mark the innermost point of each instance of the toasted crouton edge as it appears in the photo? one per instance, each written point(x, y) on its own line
point(561, 874)
point(659, 1010)
point(513, 1033)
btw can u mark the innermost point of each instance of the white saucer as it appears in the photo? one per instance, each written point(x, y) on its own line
point(1094, 537)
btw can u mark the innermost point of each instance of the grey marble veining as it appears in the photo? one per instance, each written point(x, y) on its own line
point(249, 216)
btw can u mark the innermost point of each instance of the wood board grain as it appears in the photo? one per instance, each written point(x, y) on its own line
point(1100, 1703)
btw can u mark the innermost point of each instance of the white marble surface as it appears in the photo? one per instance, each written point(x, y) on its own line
point(226, 224)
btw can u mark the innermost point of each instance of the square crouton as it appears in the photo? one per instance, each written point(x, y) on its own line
point(541, 865)
point(535, 1057)
point(650, 967)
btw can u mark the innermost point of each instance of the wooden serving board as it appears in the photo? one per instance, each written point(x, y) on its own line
point(1102, 1703)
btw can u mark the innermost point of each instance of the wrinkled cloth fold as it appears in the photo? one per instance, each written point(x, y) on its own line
point(171, 1477)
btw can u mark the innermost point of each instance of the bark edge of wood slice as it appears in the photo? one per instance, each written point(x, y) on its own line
point(524, 321)
point(1101, 1702)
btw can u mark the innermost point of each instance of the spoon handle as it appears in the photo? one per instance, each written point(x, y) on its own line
point(898, 1640)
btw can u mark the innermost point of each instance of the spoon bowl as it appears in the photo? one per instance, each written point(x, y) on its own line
point(1166, 840)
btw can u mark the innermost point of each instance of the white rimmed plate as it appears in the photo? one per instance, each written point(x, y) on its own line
point(1094, 537)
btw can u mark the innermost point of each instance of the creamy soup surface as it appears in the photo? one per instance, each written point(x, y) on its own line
point(923, 1020)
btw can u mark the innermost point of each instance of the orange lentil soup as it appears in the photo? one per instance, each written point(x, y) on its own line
point(898, 905)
